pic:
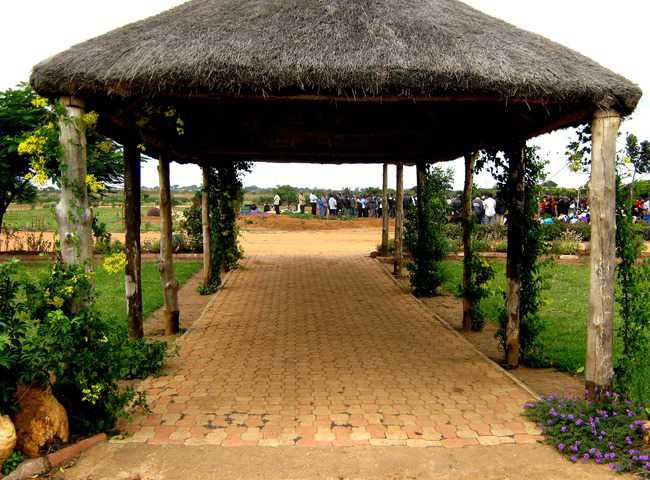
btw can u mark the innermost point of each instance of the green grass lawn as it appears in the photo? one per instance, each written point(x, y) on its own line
point(43, 219)
point(565, 312)
point(110, 287)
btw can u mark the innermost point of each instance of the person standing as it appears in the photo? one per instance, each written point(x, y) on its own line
point(490, 210)
point(477, 209)
point(276, 204)
point(313, 202)
point(301, 202)
point(332, 205)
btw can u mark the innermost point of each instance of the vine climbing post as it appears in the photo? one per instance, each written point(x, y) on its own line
point(602, 201)
point(516, 236)
point(421, 174)
point(384, 212)
point(166, 267)
point(470, 161)
point(73, 214)
point(132, 271)
point(399, 221)
point(205, 223)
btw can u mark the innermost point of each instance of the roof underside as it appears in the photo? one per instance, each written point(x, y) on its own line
point(331, 80)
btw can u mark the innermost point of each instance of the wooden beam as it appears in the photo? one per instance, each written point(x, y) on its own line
point(399, 221)
point(73, 214)
point(166, 266)
point(599, 372)
point(132, 272)
point(516, 234)
point(205, 223)
point(470, 161)
point(384, 212)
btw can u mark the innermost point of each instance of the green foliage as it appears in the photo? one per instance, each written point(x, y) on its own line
point(192, 224)
point(428, 245)
point(606, 431)
point(482, 274)
point(55, 337)
point(633, 297)
point(11, 463)
point(288, 194)
point(534, 246)
point(225, 197)
point(25, 117)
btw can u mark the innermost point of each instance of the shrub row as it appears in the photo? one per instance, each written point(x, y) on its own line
point(550, 233)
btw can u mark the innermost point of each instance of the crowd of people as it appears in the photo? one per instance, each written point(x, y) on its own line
point(340, 204)
point(488, 209)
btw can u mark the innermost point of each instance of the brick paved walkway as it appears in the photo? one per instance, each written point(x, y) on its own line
point(326, 350)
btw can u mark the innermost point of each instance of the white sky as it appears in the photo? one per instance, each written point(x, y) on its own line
point(614, 33)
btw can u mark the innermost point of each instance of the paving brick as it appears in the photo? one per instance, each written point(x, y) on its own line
point(359, 362)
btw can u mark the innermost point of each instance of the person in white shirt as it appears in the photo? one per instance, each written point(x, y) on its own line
point(332, 205)
point(276, 204)
point(490, 211)
point(313, 201)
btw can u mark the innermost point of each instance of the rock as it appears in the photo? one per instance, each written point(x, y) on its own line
point(40, 420)
point(29, 469)
point(7, 438)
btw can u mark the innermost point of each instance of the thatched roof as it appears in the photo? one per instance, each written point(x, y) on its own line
point(334, 47)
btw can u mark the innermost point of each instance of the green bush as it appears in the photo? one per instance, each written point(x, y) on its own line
point(11, 463)
point(607, 431)
point(52, 336)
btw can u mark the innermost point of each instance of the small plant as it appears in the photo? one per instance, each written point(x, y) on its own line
point(482, 274)
point(609, 430)
point(428, 245)
point(12, 462)
point(567, 244)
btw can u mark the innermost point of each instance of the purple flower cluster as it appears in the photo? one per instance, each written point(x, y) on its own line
point(606, 430)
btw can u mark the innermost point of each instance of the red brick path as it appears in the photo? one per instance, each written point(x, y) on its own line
point(326, 350)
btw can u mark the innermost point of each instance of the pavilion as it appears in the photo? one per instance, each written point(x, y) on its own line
point(328, 81)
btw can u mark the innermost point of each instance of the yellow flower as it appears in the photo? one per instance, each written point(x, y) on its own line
point(114, 263)
point(93, 184)
point(105, 146)
point(90, 119)
point(141, 147)
point(39, 102)
point(56, 302)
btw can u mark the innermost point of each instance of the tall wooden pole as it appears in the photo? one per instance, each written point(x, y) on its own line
point(205, 222)
point(166, 266)
point(73, 214)
point(516, 234)
point(602, 201)
point(132, 272)
point(470, 161)
point(384, 213)
point(399, 221)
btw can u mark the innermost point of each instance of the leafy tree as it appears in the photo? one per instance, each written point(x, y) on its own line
point(288, 194)
point(30, 149)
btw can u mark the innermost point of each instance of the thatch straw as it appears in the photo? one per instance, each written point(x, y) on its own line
point(336, 47)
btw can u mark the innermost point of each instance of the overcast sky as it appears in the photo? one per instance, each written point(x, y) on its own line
point(614, 33)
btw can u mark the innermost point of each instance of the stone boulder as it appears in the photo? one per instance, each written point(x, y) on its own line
point(7, 438)
point(40, 420)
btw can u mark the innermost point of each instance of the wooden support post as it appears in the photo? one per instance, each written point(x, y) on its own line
point(132, 272)
point(399, 221)
point(384, 213)
point(205, 222)
point(166, 266)
point(602, 201)
point(516, 234)
point(73, 214)
point(470, 161)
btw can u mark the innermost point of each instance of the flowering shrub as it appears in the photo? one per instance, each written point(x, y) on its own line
point(115, 262)
point(52, 336)
point(607, 431)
